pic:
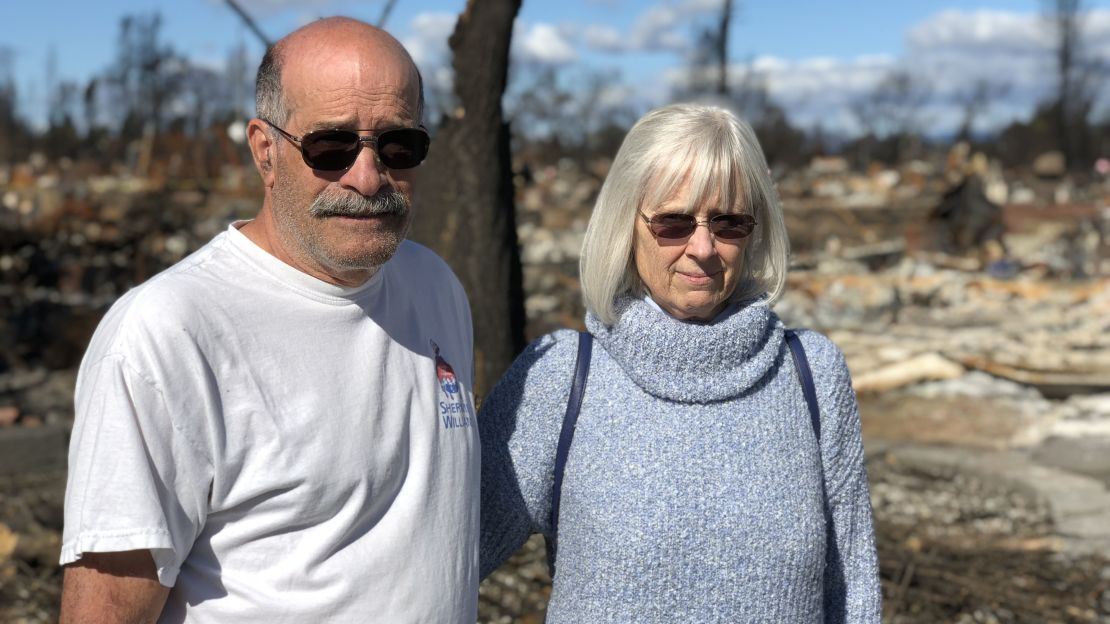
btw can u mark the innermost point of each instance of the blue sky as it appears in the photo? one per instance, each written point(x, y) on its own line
point(815, 55)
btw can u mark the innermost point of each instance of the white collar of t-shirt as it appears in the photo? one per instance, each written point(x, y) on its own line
point(307, 284)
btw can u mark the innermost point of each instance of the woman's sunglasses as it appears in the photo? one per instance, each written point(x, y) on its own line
point(336, 150)
point(677, 226)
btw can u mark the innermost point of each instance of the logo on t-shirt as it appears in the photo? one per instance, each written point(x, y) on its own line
point(453, 408)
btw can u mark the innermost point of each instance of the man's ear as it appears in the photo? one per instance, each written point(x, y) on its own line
point(262, 147)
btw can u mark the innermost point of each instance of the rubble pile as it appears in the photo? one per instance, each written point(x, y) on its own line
point(553, 208)
point(70, 245)
point(1049, 335)
point(972, 314)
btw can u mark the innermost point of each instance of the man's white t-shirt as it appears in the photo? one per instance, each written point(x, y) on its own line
point(289, 450)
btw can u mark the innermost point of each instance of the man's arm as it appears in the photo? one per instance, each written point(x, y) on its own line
point(116, 587)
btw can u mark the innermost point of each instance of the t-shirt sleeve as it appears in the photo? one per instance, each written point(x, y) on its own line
point(136, 481)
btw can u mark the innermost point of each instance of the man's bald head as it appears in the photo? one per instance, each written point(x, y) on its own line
point(271, 102)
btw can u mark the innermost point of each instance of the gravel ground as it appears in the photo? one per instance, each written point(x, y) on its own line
point(30, 538)
point(955, 549)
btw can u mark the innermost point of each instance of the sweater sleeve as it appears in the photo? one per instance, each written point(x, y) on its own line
point(519, 423)
point(852, 590)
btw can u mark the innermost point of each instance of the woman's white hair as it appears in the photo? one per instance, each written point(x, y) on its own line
point(719, 156)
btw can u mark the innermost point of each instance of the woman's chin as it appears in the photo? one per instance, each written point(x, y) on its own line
point(696, 310)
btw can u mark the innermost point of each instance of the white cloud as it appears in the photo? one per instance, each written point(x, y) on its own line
point(954, 50)
point(1097, 31)
point(427, 44)
point(992, 32)
point(615, 96)
point(949, 52)
point(813, 91)
point(542, 43)
point(654, 30)
point(658, 27)
point(603, 38)
point(662, 27)
point(822, 78)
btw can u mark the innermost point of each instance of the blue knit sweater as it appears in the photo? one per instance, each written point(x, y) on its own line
point(693, 490)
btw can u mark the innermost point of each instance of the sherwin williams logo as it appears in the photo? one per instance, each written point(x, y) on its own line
point(452, 403)
point(446, 376)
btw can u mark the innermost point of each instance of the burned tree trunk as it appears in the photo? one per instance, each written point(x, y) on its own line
point(465, 200)
point(1065, 20)
point(722, 48)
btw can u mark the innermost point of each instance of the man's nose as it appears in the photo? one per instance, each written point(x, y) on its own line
point(366, 175)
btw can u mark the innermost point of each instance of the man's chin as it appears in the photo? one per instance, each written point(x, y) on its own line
point(366, 258)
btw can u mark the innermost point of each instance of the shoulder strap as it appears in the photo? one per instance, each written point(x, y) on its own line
point(801, 365)
point(570, 419)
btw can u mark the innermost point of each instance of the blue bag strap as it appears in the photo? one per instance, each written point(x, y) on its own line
point(801, 365)
point(809, 391)
point(570, 419)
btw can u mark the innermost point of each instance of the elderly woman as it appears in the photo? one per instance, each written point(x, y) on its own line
point(696, 486)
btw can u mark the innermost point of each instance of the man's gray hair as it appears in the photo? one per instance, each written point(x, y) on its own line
point(719, 156)
point(269, 99)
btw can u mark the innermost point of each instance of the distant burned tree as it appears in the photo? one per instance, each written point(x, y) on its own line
point(89, 105)
point(465, 202)
point(709, 57)
point(12, 131)
point(1064, 18)
point(238, 77)
point(566, 116)
point(61, 138)
point(745, 92)
point(540, 107)
point(151, 105)
point(901, 98)
point(253, 26)
point(893, 110)
point(1019, 143)
point(720, 46)
point(782, 142)
point(750, 97)
point(605, 121)
point(974, 102)
point(1076, 77)
point(143, 77)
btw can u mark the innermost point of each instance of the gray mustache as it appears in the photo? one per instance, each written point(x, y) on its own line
point(355, 205)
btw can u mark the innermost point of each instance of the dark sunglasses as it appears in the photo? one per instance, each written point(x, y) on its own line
point(336, 150)
point(677, 226)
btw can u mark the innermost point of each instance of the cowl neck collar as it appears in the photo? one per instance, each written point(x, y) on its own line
point(691, 362)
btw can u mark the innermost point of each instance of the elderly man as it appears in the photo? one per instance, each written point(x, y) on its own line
point(280, 428)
